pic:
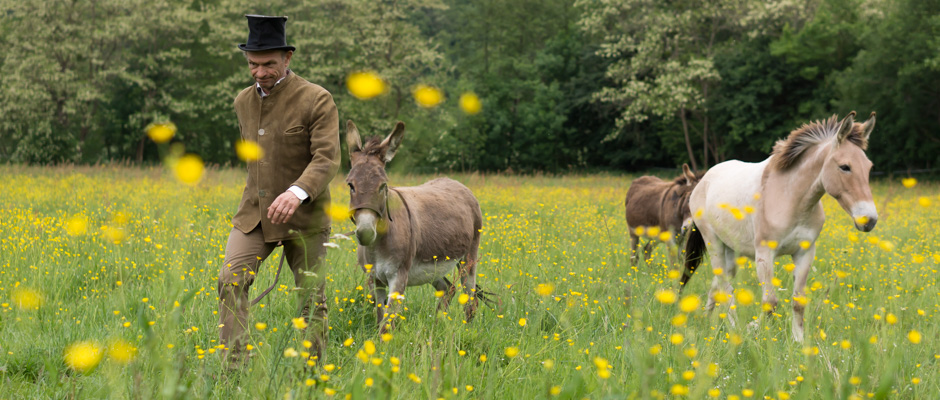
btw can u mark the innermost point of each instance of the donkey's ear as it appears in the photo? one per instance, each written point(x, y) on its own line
point(689, 176)
point(847, 124)
point(352, 137)
point(868, 126)
point(393, 140)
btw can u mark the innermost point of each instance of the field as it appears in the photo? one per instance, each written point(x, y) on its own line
point(108, 290)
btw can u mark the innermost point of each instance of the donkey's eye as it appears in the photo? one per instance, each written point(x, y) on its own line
point(352, 188)
point(845, 168)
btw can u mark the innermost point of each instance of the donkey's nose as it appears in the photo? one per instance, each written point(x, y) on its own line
point(365, 236)
point(868, 226)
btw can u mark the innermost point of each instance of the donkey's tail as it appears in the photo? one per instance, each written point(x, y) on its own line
point(694, 253)
point(488, 298)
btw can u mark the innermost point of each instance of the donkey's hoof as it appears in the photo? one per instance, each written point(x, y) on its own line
point(471, 308)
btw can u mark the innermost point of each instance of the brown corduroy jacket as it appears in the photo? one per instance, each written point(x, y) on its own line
point(297, 127)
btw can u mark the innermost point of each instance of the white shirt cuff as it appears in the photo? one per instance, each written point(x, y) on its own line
point(297, 191)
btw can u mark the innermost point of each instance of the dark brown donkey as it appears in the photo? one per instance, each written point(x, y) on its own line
point(653, 202)
point(410, 236)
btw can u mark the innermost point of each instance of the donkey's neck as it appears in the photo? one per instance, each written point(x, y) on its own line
point(798, 189)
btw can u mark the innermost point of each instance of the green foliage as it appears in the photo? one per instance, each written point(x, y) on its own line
point(896, 74)
point(565, 84)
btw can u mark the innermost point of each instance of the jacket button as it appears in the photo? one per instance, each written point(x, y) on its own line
point(261, 193)
point(261, 132)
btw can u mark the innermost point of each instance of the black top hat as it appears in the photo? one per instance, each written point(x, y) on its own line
point(266, 33)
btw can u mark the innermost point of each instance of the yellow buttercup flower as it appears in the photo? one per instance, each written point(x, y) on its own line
point(470, 103)
point(27, 299)
point(114, 235)
point(914, 336)
point(721, 296)
point(909, 182)
point(162, 132)
point(122, 352)
point(77, 225)
point(679, 390)
point(248, 150)
point(666, 296)
point(299, 323)
point(189, 169)
point(744, 296)
point(427, 96)
point(338, 212)
point(676, 338)
point(512, 352)
point(365, 85)
point(83, 356)
point(544, 289)
point(655, 349)
point(689, 303)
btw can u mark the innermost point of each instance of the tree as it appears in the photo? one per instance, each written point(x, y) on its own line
point(663, 58)
point(896, 73)
point(67, 84)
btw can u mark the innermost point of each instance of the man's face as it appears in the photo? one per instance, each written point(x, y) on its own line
point(268, 66)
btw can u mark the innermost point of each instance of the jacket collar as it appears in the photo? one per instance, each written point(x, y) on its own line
point(275, 88)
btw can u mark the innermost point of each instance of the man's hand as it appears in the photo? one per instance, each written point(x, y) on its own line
point(283, 208)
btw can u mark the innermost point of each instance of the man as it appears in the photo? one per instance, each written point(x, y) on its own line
point(286, 194)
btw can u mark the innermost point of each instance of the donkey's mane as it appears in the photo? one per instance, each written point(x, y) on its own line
point(788, 151)
point(372, 147)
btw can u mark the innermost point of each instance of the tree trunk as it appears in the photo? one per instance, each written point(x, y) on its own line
point(688, 143)
point(705, 128)
point(140, 150)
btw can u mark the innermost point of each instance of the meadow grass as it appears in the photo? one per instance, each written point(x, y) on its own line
point(124, 261)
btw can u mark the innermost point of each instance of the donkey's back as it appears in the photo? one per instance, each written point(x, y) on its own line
point(445, 217)
point(643, 204)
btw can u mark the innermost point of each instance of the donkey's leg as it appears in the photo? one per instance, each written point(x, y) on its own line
point(722, 282)
point(764, 258)
point(731, 269)
point(380, 293)
point(635, 245)
point(722, 258)
point(803, 259)
point(396, 297)
point(448, 288)
point(468, 276)
point(648, 250)
point(679, 240)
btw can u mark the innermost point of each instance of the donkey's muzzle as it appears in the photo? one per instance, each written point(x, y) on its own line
point(865, 215)
point(365, 236)
point(868, 225)
point(366, 221)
